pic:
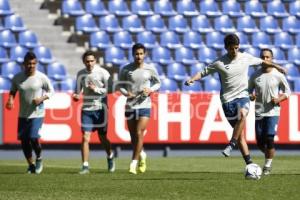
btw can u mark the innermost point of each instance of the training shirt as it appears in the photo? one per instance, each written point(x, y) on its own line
point(266, 86)
point(92, 99)
point(135, 80)
point(30, 88)
point(233, 75)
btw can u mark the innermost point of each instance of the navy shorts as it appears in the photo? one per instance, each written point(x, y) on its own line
point(231, 109)
point(266, 126)
point(95, 120)
point(137, 113)
point(29, 128)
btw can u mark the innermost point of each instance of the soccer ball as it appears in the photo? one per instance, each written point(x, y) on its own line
point(253, 171)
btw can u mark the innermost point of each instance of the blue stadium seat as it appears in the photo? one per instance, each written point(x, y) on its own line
point(72, 8)
point(100, 39)
point(155, 24)
point(277, 9)
point(185, 56)
point(115, 56)
point(261, 40)
point(232, 8)
point(255, 9)
point(95, 7)
point(296, 85)
point(85, 24)
point(178, 24)
point(56, 71)
point(161, 55)
point(210, 8)
point(224, 24)
point(118, 8)
point(186, 8)
point(298, 40)
point(17, 53)
point(283, 40)
point(279, 56)
point(159, 69)
point(294, 8)
point(3, 55)
point(122, 39)
point(7, 39)
point(170, 39)
point(176, 71)
point(168, 85)
point(43, 54)
point(164, 8)
point(41, 68)
point(5, 8)
point(109, 23)
point(269, 24)
point(292, 71)
point(215, 40)
point(67, 85)
point(201, 24)
point(207, 55)
point(195, 87)
point(147, 38)
point(5, 85)
point(141, 7)
point(244, 41)
point(291, 24)
point(193, 40)
point(195, 68)
point(212, 85)
point(254, 51)
point(251, 70)
point(9, 69)
point(14, 23)
point(132, 24)
point(294, 55)
point(28, 39)
point(246, 24)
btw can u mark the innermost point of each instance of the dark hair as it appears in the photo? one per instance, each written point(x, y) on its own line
point(138, 46)
point(266, 49)
point(86, 54)
point(29, 56)
point(231, 39)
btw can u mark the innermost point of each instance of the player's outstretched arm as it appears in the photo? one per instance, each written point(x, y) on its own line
point(271, 64)
point(193, 79)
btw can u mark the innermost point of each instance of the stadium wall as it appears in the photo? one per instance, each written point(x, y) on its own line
point(177, 118)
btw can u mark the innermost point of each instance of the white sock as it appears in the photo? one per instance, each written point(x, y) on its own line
point(268, 162)
point(111, 155)
point(134, 163)
point(85, 163)
point(143, 154)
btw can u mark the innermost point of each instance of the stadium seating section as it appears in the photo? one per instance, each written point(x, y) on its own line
point(181, 36)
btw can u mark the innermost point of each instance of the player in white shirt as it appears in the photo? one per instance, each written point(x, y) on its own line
point(92, 82)
point(138, 80)
point(34, 88)
point(233, 72)
point(264, 87)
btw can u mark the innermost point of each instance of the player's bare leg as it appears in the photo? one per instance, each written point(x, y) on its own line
point(244, 148)
point(85, 151)
point(110, 156)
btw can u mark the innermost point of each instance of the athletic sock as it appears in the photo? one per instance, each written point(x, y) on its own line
point(233, 143)
point(268, 162)
point(247, 159)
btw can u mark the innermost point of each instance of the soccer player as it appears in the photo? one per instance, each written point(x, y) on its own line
point(233, 71)
point(266, 83)
point(138, 81)
point(34, 88)
point(92, 82)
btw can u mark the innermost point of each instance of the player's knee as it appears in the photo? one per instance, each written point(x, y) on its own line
point(86, 137)
point(270, 142)
point(243, 114)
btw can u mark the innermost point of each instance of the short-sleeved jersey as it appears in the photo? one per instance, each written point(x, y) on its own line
point(233, 75)
point(135, 80)
point(92, 100)
point(30, 88)
point(266, 86)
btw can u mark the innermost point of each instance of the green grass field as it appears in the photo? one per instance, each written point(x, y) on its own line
point(166, 178)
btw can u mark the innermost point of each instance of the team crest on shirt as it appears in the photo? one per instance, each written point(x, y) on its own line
point(226, 66)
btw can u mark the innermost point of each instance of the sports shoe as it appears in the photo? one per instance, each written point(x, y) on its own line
point(226, 152)
point(142, 163)
point(132, 169)
point(31, 169)
point(111, 164)
point(84, 170)
point(38, 166)
point(267, 170)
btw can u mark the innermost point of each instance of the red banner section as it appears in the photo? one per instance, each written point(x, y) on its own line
point(176, 118)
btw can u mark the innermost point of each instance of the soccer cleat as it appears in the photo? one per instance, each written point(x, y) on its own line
point(111, 165)
point(84, 170)
point(38, 166)
point(142, 164)
point(132, 169)
point(31, 169)
point(226, 152)
point(267, 170)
